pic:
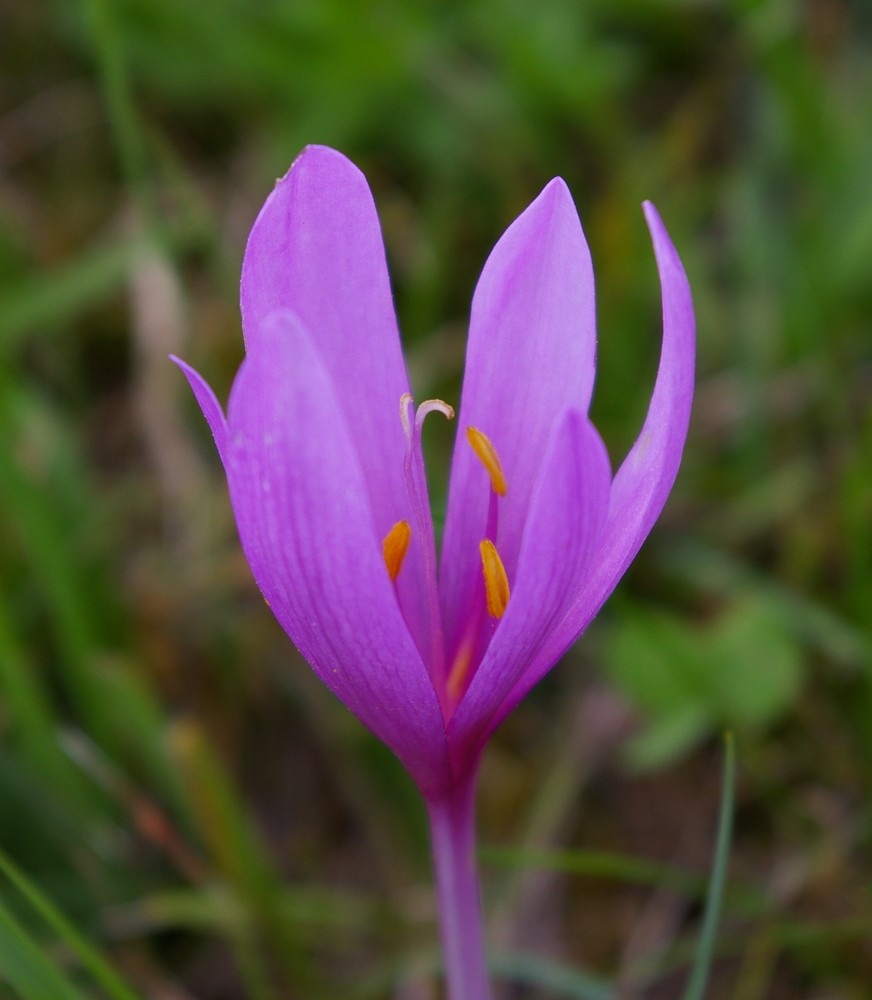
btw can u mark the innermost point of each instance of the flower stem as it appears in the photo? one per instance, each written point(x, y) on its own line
point(452, 831)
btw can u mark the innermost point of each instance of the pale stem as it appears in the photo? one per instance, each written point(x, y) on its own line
point(452, 831)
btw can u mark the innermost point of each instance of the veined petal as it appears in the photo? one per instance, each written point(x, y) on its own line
point(306, 525)
point(531, 353)
point(643, 482)
point(316, 249)
point(568, 513)
point(208, 403)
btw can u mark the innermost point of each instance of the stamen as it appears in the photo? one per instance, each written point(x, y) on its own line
point(496, 583)
point(394, 547)
point(483, 447)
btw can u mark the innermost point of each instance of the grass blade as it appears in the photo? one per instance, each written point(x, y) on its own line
point(556, 978)
point(90, 959)
point(26, 968)
point(702, 962)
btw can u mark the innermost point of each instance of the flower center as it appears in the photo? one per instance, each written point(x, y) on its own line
point(492, 599)
point(490, 607)
point(398, 539)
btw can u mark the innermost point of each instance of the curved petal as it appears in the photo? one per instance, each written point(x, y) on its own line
point(568, 513)
point(645, 478)
point(531, 355)
point(316, 249)
point(208, 403)
point(306, 526)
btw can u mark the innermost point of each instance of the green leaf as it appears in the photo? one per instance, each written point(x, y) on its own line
point(741, 670)
point(758, 665)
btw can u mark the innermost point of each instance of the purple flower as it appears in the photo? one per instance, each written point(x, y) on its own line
point(321, 446)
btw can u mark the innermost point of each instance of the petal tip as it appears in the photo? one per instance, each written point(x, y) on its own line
point(317, 157)
point(557, 196)
point(208, 403)
point(559, 187)
point(663, 246)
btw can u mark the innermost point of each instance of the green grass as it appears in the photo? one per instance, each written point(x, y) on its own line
point(182, 804)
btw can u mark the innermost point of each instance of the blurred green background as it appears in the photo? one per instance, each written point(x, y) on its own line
point(172, 778)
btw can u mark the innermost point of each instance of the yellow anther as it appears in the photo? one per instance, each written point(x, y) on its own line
point(483, 447)
point(496, 583)
point(394, 547)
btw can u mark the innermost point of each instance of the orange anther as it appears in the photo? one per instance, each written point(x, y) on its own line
point(496, 583)
point(394, 547)
point(483, 447)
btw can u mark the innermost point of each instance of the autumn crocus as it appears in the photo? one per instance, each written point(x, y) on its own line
point(321, 444)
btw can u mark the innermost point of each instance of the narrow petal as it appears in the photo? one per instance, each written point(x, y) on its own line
point(208, 403)
point(530, 357)
point(316, 249)
point(306, 524)
point(568, 513)
point(645, 478)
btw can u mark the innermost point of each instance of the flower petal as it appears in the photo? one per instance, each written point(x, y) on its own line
point(568, 512)
point(306, 525)
point(208, 403)
point(645, 478)
point(531, 353)
point(316, 248)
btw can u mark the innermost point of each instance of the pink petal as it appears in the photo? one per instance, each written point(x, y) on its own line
point(645, 478)
point(568, 512)
point(316, 249)
point(306, 524)
point(530, 357)
point(208, 404)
